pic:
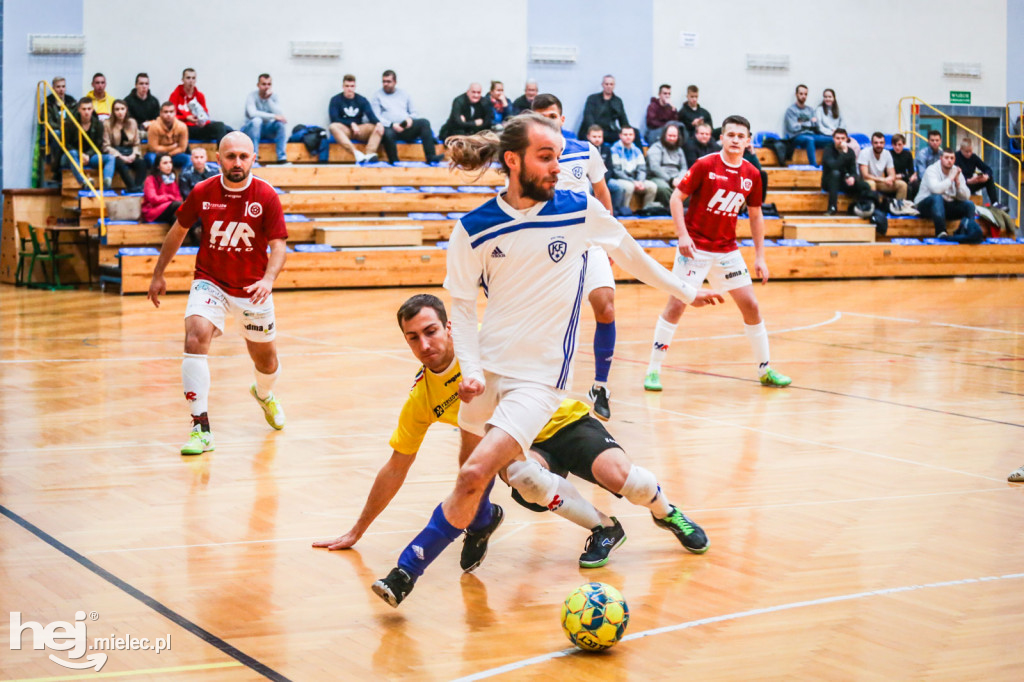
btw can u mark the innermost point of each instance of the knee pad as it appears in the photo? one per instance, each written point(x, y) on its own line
point(535, 484)
point(641, 486)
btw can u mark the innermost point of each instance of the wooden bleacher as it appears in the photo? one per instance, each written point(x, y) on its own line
point(383, 237)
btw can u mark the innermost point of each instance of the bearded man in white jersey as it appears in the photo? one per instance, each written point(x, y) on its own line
point(528, 248)
point(580, 168)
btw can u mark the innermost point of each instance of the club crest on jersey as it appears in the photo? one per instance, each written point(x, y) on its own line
point(577, 172)
point(557, 249)
point(253, 209)
point(747, 184)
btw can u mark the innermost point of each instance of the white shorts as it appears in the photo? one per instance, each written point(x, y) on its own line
point(599, 270)
point(724, 271)
point(518, 407)
point(208, 300)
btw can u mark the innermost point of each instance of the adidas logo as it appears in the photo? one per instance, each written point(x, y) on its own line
point(497, 253)
point(418, 551)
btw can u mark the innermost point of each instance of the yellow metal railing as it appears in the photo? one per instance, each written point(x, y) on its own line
point(43, 89)
point(908, 126)
point(1014, 116)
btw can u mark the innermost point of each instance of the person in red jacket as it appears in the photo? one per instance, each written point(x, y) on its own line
point(190, 107)
point(160, 194)
point(660, 113)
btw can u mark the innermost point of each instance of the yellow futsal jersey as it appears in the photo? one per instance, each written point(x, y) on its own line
point(435, 398)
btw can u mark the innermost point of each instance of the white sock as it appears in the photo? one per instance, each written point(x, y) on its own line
point(539, 486)
point(195, 378)
point(663, 333)
point(265, 382)
point(600, 384)
point(757, 334)
point(572, 506)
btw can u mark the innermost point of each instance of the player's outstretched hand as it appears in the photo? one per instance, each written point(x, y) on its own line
point(469, 389)
point(707, 297)
point(345, 541)
point(157, 288)
point(686, 247)
point(259, 291)
point(761, 270)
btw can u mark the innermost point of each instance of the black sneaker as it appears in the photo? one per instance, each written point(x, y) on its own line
point(394, 588)
point(474, 546)
point(599, 397)
point(832, 210)
point(602, 540)
point(689, 533)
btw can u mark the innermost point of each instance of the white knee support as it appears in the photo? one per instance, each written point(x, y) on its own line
point(641, 486)
point(534, 483)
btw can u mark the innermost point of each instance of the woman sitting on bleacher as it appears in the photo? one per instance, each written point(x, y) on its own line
point(160, 195)
point(121, 140)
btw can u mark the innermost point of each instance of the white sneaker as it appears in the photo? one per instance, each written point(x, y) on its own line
point(371, 158)
point(1017, 476)
point(360, 157)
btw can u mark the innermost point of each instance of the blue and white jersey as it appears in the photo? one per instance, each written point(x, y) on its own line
point(581, 166)
point(533, 266)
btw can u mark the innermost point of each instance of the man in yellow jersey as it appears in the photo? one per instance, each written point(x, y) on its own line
point(572, 441)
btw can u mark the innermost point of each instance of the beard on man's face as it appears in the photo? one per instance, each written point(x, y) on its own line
point(532, 187)
point(237, 174)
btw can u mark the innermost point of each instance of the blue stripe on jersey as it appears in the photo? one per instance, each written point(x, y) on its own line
point(580, 156)
point(484, 217)
point(579, 220)
point(569, 342)
point(575, 147)
point(564, 201)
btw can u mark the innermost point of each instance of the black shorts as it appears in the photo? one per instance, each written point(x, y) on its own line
point(572, 450)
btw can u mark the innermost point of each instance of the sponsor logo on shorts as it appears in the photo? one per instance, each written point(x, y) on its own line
point(736, 273)
point(557, 249)
point(611, 441)
point(254, 327)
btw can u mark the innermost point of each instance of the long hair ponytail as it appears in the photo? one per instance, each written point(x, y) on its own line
point(477, 152)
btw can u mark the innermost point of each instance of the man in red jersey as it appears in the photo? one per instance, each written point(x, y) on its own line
point(241, 217)
point(718, 185)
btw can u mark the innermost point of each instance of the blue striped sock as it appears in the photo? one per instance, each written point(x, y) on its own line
point(483, 512)
point(428, 545)
point(604, 349)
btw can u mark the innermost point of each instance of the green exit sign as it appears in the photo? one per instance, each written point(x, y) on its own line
point(959, 96)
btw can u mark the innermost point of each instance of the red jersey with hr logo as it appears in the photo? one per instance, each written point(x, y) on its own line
point(237, 225)
point(717, 192)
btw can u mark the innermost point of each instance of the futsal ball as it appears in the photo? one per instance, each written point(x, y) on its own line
point(594, 616)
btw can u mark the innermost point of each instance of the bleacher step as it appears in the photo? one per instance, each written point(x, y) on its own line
point(379, 235)
point(842, 232)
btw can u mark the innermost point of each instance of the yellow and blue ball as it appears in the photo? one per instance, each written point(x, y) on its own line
point(594, 616)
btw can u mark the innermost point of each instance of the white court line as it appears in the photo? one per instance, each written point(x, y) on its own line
point(938, 324)
point(518, 665)
point(165, 358)
point(834, 318)
point(221, 443)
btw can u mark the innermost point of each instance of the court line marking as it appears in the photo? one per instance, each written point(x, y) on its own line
point(835, 318)
point(392, 354)
point(173, 616)
point(939, 324)
point(132, 673)
point(518, 665)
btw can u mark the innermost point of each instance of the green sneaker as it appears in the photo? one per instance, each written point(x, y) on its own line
point(198, 442)
point(272, 409)
point(773, 378)
point(652, 382)
point(689, 533)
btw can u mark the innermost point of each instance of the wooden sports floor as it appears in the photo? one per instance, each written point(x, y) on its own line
point(861, 524)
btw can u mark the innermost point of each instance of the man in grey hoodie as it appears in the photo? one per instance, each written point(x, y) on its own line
point(802, 127)
point(666, 163)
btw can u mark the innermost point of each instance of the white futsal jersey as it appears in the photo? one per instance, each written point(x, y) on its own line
point(581, 166)
point(532, 265)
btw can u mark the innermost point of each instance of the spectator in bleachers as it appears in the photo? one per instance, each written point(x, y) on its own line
point(54, 115)
point(878, 170)
point(469, 114)
point(666, 163)
point(121, 140)
point(830, 119)
point(801, 127)
point(659, 113)
point(606, 109)
point(200, 169)
point(692, 114)
point(629, 169)
point(903, 162)
point(190, 106)
point(498, 105)
point(264, 119)
point(160, 195)
point(352, 118)
point(101, 99)
point(944, 196)
point(926, 156)
point(142, 105)
point(168, 135)
point(839, 171)
point(94, 131)
point(394, 109)
point(700, 144)
point(977, 174)
point(525, 100)
point(595, 135)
